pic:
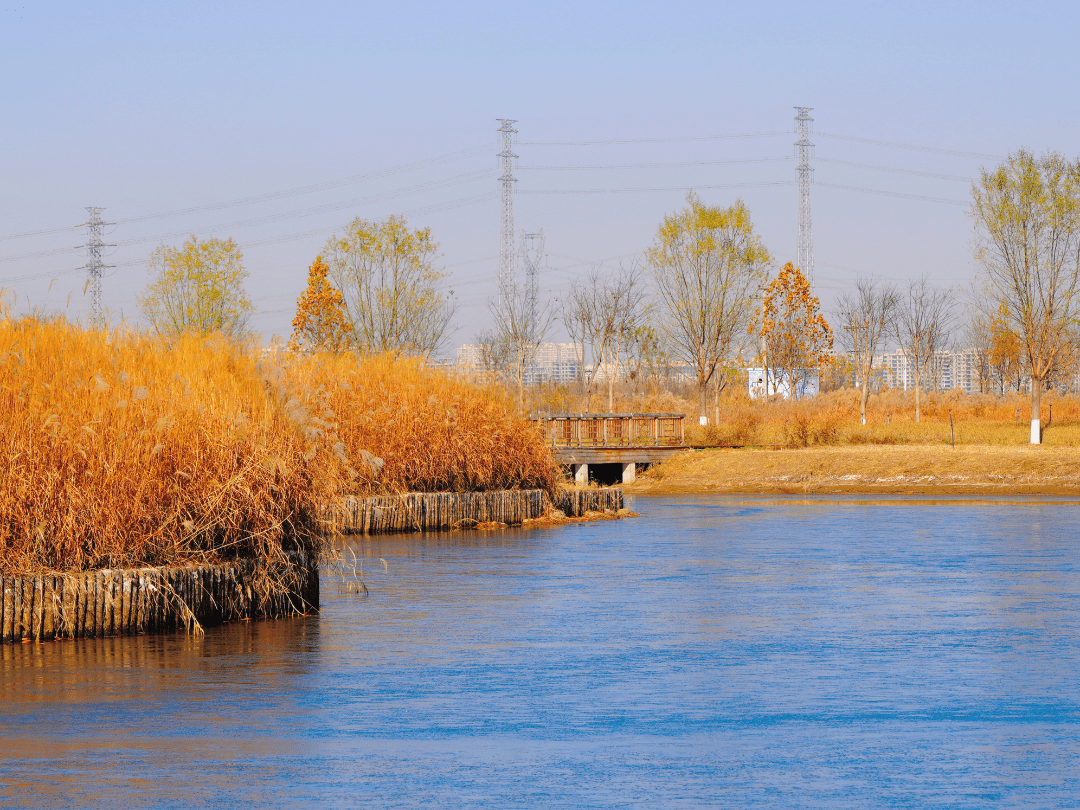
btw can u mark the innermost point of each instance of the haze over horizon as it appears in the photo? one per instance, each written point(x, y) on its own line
point(276, 124)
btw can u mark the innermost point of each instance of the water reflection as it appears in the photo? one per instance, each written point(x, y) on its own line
point(725, 651)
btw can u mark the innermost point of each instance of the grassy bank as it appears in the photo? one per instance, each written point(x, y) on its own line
point(123, 450)
point(915, 469)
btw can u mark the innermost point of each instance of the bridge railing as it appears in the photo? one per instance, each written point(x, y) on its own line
point(614, 429)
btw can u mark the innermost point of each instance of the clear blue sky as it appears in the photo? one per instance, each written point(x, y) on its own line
point(151, 110)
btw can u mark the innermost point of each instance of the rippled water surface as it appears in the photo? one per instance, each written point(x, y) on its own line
point(715, 651)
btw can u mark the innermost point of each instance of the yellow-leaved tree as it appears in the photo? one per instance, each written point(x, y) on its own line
point(1004, 355)
point(795, 337)
point(707, 263)
point(393, 295)
point(320, 322)
point(198, 288)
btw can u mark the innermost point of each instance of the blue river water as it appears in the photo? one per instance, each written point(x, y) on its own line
point(716, 651)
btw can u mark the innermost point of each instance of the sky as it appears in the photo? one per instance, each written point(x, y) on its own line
point(277, 123)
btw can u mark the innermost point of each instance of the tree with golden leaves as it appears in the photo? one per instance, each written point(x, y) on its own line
point(1004, 354)
point(394, 296)
point(320, 313)
point(1027, 217)
point(795, 337)
point(707, 263)
point(198, 288)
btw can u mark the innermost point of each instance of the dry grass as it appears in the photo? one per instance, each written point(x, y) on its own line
point(122, 450)
point(408, 428)
point(833, 419)
point(969, 469)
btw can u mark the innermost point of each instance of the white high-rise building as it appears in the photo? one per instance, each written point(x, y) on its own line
point(944, 372)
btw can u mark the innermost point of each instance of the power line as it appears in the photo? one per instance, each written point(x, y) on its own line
point(935, 149)
point(895, 194)
point(429, 209)
point(321, 209)
point(656, 188)
point(656, 165)
point(934, 175)
point(684, 139)
point(66, 229)
point(329, 184)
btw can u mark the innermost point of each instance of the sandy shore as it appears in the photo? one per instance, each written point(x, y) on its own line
point(903, 469)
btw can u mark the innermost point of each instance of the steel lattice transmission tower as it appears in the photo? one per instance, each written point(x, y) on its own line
point(94, 265)
point(803, 151)
point(532, 254)
point(506, 234)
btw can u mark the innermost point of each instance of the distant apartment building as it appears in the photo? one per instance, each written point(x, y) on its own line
point(945, 371)
point(554, 362)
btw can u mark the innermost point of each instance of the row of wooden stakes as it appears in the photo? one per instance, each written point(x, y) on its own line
point(442, 511)
point(145, 600)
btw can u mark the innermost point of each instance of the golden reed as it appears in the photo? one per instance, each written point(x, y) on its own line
point(122, 449)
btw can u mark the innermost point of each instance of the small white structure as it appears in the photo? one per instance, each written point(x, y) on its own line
point(761, 382)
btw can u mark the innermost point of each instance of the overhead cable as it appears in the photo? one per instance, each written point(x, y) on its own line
point(901, 195)
point(657, 165)
point(958, 177)
point(935, 149)
point(657, 188)
point(684, 139)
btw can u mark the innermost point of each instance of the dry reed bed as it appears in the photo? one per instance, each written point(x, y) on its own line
point(408, 428)
point(123, 450)
point(917, 469)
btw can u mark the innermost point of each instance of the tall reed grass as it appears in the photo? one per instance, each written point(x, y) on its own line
point(121, 449)
point(406, 427)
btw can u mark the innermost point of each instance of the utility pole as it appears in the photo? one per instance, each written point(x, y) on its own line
point(803, 151)
point(532, 254)
point(506, 234)
point(94, 265)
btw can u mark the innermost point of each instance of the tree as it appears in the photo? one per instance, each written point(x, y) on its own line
point(922, 327)
point(1027, 218)
point(510, 348)
point(708, 264)
point(392, 293)
point(198, 287)
point(1004, 351)
point(794, 334)
point(606, 308)
point(320, 313)
point(866, 316)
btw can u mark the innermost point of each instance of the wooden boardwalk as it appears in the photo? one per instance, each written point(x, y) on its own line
point(626, 439)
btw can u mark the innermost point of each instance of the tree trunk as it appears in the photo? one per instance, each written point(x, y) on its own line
point(703, 399)
point(918, 390)
point(1036, 408)
point(610, 384)
point(865, 393)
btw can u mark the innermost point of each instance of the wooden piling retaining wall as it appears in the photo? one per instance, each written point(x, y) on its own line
point(144, 600)
point(440, 511)
point(576, 502)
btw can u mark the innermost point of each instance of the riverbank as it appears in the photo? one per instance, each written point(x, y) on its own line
point(900, 469)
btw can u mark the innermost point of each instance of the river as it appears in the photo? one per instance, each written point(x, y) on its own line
point(717, 651)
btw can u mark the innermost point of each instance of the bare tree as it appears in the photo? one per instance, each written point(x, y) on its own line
point(924, 321)
point(1027, 218)
point(604, 309)
point(708, 265)
point(866, 318)
point(518, 332)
